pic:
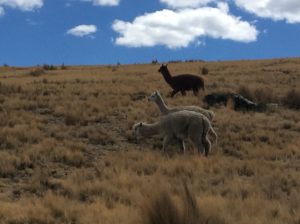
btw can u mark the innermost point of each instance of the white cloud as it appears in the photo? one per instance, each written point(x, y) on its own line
point(288, 10)
point(83, 30)
point(223, 7)
point(1, 11)
point(104, 2)
point(186, 3)
point(24, 5)
point(180, 28)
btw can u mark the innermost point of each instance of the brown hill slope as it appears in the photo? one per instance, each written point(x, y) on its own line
point(67, 153)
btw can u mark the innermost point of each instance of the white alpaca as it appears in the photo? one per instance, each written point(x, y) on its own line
point(164, 109)
point(179, 126)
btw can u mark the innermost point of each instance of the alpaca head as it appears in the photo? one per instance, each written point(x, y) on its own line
point(137, 130)
point(163, 68)
point(154, 96)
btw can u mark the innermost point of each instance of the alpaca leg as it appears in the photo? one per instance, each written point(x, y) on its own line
point(174, 92)
point(203, 88)
point(207, 146)
point(166, 141)
point(183, 93)
point(182, 145)
point(197, 142)
point(200, 147)
point(195, 134)
point(196, 91)
point(203, 147)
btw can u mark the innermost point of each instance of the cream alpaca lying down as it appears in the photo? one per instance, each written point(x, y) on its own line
point(179, 125)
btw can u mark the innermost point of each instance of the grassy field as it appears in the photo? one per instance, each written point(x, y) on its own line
point(67, 154)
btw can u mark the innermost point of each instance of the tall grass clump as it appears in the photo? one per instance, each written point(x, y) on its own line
point(292, 99)
point(204, 71)
point(163, 210)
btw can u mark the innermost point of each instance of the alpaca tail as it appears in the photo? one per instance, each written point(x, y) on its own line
point(205, 140)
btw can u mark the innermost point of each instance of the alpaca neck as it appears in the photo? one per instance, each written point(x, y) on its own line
point(150, 129)
point(164, 109)
point(167, 76)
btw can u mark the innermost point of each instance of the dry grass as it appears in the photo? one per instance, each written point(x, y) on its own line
point(261, 95)
point(162, 209)
point(292, 99)
point(67, 153)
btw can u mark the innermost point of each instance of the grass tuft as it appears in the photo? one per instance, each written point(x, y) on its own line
point(292, 99)
point(164, 210)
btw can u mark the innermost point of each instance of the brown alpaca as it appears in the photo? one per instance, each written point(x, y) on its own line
point(182, 83)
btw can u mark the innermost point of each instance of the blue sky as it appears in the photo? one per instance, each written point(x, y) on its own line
point(133, 31)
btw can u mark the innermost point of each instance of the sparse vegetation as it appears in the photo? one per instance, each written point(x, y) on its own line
point(292, 99)
point(266, 95)
point(259, 95)
point(37, 72)
point(204, 71)
point(161, 209)
point(49, 67)
point(154, 62)
point(68, 156)
point(63, 67)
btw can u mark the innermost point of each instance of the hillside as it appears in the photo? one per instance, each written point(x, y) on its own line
point(67, 154)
